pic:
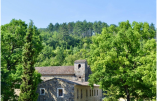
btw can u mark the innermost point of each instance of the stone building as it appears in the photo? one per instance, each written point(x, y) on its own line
point(67, 83)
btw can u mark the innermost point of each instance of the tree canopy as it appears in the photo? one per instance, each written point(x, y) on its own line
point(12, 42)
point(124, 57)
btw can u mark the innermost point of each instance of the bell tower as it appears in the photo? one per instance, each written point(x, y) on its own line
point(80, 70)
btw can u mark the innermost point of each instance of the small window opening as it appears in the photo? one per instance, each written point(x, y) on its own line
point(77, 94)
point(80, 77)
point(60, 92)
point(97, 92)
point(42, 91)
point(81, 93)
point(92, 92)
point(86, 93)
point(79, 66)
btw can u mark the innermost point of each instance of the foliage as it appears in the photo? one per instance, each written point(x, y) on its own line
point(124, 57)
point(110, 94)
point(50, 27)
point(30, 78)
point(12, 36)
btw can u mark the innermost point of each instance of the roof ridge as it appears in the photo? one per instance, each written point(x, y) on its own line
point(55, 66)
point(51, 70)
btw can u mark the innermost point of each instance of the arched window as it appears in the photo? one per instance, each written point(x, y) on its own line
point(79, 66)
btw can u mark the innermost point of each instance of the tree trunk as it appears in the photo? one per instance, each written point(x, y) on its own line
point(127, 93)
point(128, 97)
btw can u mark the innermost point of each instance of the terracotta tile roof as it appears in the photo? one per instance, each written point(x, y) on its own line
point(72, 82)
point(54, 70)
point(80, 61)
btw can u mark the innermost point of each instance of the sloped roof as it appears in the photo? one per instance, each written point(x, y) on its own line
point(56, 70)
point(80, 61)
point(73, 82)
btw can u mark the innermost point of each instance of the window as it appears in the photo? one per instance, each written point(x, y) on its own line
point(42, 91)
point(77, 93)
point(79, 66)
point(90, 92)
point(94, 92)
point(97, 92)
point(81, 93)
point(86, 93)
point(60, 92)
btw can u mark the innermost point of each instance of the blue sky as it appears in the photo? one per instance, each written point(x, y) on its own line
point(43, 12)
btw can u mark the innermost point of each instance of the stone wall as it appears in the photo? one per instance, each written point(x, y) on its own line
point(51, 86)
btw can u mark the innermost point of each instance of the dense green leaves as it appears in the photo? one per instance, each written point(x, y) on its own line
point(50, 27)
point(12, 36)
point(124, 56)
point(12, 40)
point(30, 78)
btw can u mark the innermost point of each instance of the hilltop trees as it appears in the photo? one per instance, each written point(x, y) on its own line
point(31, 49)
point(124, 57)
point(50, 27)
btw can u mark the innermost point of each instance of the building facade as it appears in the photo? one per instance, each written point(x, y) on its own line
point(67, 83)
point(58, 89)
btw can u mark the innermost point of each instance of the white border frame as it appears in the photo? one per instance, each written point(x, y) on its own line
point(40, 91)
point(58, 92)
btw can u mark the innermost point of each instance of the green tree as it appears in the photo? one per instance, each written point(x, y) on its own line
point(50, 27)
point(104, 25)
point(113, 25)
point(78, 29)
point(12, 36)
point(95, 27)
point(124, 57)
point(31, 49)
point(64, 32)
point(59, 58)
point(71, 27)
point(152, 26)
point(56, 27)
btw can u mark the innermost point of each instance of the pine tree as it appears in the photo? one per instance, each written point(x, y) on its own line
point(50, 27)
point(30, 51)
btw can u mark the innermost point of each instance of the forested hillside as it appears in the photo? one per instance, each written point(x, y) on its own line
point(64, 43)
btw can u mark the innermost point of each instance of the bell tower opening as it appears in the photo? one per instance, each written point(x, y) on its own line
point(79, 66)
